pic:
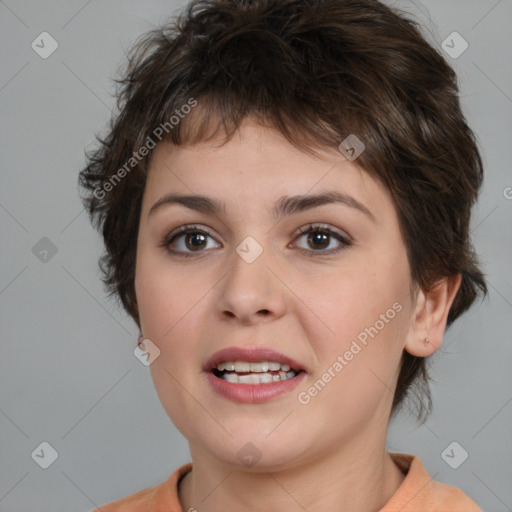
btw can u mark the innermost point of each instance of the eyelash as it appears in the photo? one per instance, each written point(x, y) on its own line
point(311, 228)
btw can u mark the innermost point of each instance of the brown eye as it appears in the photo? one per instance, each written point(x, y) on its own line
point(195, 240)
point(188, 240)
point(319, 238)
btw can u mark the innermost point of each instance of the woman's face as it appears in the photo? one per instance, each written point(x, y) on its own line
point(252, 275)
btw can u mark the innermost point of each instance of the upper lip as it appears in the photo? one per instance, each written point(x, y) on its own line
point(253, 355)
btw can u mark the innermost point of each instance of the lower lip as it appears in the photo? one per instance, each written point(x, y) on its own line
point(254, 393)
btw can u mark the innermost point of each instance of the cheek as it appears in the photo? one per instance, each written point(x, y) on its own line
point(167, 303)
point(165, 295)
point(174, 305)
point(352, 299)
point(366, 312)
point(357, 372)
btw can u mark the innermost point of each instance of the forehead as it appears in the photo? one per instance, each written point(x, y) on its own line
point(254, 169)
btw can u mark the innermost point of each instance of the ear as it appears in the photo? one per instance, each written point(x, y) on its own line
point(430, 316)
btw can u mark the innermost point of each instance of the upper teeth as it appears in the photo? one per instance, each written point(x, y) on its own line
point(244, 366)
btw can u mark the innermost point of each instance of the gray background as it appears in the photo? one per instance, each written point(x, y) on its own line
point(69, 376)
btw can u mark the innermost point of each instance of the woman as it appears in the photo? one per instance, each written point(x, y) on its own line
point(285, 196)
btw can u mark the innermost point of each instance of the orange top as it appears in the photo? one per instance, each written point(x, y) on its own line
point(418, 493)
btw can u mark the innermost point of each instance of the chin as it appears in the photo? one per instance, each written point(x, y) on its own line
point(259, 453)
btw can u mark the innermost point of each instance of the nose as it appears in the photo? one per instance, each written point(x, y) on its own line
point(251, 292)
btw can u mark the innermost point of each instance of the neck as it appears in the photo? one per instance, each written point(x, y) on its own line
point(357, 478)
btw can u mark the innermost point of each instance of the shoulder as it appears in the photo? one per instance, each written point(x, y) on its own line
point(454, 499)
point(134, 503)
point(160, 497)
point(419, 492)
point(445, 497)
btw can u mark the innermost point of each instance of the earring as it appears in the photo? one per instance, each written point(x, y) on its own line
point(427, 340)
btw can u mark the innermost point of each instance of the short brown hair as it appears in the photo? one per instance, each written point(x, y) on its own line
point(317, 70)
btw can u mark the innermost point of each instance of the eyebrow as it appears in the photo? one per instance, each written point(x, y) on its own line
point(286, 205)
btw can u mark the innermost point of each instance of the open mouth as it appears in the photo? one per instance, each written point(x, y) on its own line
point(263, 372)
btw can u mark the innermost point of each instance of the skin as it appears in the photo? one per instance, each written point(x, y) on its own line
point(325, 455)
